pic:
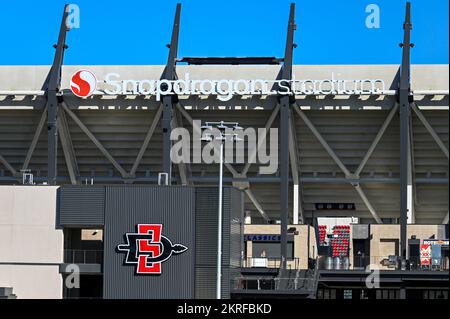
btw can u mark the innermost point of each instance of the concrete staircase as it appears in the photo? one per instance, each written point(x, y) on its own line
point(303, 282)
point(7, 293)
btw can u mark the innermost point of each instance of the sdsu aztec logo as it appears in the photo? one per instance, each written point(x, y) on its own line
point(83, 83)
point(147, 249)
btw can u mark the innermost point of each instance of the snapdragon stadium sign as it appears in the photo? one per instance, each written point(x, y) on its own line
point(83, 84)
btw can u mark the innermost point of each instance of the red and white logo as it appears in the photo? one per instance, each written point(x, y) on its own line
point(83, 83)
point(147, 248)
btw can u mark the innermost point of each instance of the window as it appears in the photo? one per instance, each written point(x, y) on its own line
point(271, 249)
point(387, 294)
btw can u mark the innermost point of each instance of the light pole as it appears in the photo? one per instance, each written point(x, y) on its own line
point(222, 127)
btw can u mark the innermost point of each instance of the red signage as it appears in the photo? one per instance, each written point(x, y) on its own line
point(425, 254)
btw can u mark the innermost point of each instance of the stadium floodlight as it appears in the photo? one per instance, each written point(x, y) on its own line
point(223, 127)
point(236, 127)
point(206, 127)
point(207, 138)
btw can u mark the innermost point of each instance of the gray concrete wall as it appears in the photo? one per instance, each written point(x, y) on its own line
point(31, 248)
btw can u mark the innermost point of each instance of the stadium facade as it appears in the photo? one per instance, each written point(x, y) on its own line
point(357, 207)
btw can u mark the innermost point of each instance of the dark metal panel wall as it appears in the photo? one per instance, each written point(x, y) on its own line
point(81, 206)
point(206, 242)
point(236, 228)
point(171, 206)
point(189, 217)
point(206, 239)
point(235, 223)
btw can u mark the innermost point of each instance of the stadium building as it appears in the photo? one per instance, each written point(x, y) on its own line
point(357, 207)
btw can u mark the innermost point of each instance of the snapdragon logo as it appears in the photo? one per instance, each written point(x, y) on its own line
point(83, 83)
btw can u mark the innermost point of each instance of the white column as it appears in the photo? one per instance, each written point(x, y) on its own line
point(219, 231)
point(410, 188)
point(295, 205)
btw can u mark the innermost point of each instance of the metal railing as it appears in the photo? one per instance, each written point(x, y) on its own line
point(78, 256)
point(271, 283)
point(382, 263)
point(291, 278)
point(269, 262)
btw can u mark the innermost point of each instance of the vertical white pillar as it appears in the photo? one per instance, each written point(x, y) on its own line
point(410, 187)
point(295, 211)
point(219, 231)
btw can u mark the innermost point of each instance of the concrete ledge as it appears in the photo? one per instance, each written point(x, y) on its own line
point(84, 268)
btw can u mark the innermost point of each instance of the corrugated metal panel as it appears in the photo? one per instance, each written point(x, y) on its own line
point(128, 206)
point(206, 221)
point(17, 128)
point(81, 205)
point(206, 241)
point(236, 247)
point(349, 134)
point(431, 203)
point(206, 238)
point(205, 282)
point(236, 228)
point(428, 157)
point(122, 133)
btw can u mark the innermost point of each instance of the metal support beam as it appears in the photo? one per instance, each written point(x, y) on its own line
point(169, 100)
point(262, 140)
point(367, 203)
point(52, 88)
point(322, 141)
point(377, 139)
point(257, 205)
point(404, 102)
point(252, 157)
point(166, 124)
point(349, 177)
point(95, 141)
point(285, 102)
point(411, 175)
point(429, 129)
point(297, 208)
point(445, 220)
point(251, 179)
point(230, 168)
point(67, 146)
point(147, 139)
point(8, 166)
point(35, 139)
point(183, 168)
point(186, 115)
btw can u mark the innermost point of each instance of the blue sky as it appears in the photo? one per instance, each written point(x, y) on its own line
point(136, 31)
